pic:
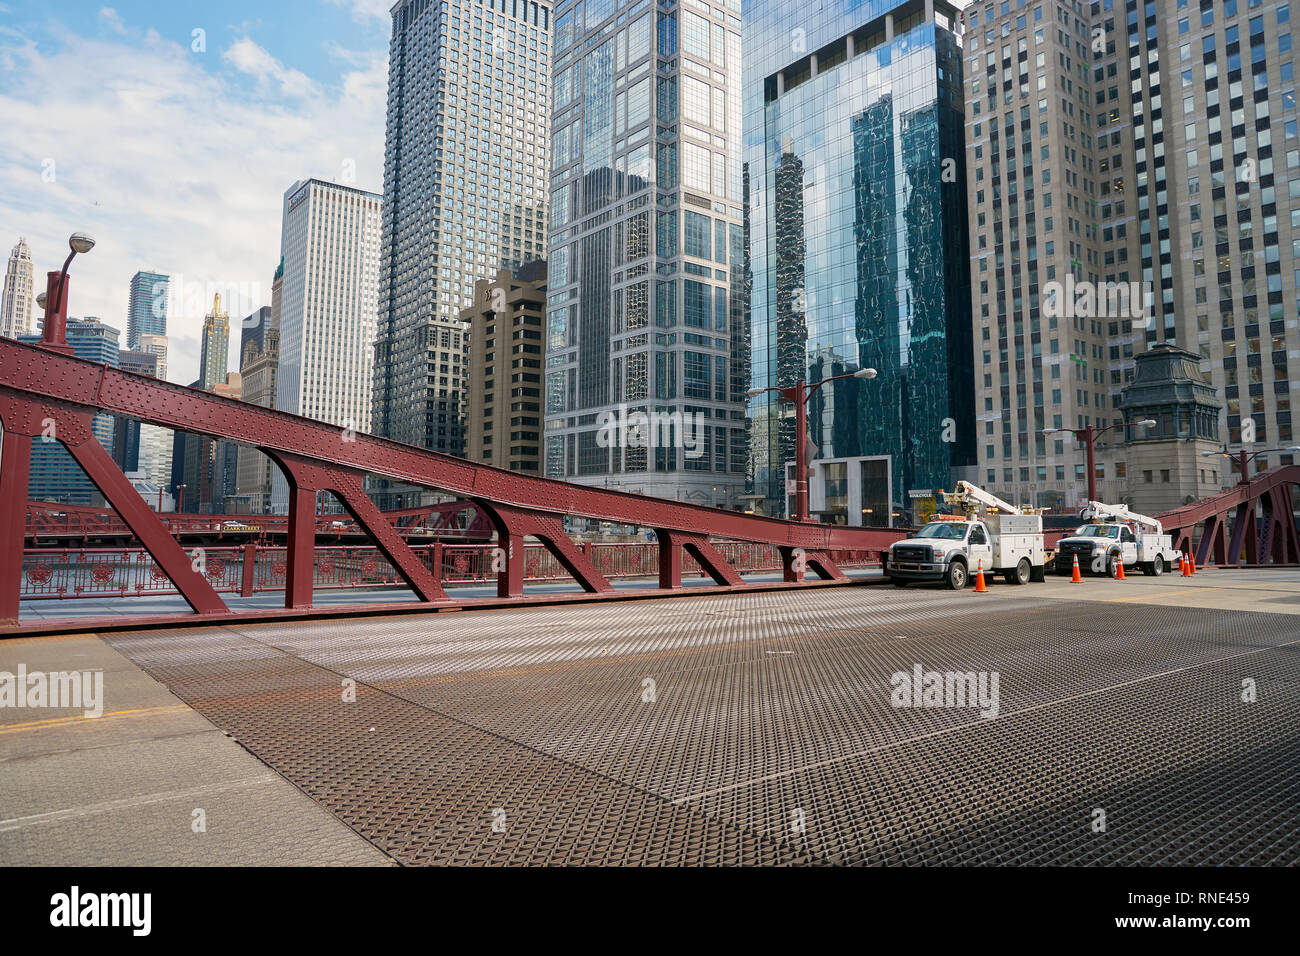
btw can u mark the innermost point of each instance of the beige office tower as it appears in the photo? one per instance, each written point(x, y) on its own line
point(1125, 165)
point(507, 332)
point(258, 367)
point(16, 297)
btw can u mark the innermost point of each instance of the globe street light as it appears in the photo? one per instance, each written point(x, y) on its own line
point(1089, 436)
point(799, 393)
point(1243, 459)
point(54, 332)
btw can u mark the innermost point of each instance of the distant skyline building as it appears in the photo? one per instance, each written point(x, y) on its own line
point(330, 254)
point(216, 346)
point(146, 307)
point(18, 299)
point(209, 464)
point(157, 345)
point(54, 474)
point(126, 436)
point(854, 149)
point(155, 441)
point(465, 183)
point(253, 328)
point(257, 368)
point(646, 251)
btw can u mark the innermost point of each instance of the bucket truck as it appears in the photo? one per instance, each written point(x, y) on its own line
point(1114, 535)
point(989, 534)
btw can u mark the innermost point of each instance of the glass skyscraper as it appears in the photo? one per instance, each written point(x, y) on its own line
point(646, 270)
point(854, 152)
point(55, 476)
point(147, 307)
point(464, 195)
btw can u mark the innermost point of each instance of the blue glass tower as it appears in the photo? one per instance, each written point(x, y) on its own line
point(854, 153)
point(147, 308)
point(54, 475)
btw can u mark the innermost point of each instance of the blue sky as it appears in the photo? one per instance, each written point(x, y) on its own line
point(296, 32)
point(176, 158)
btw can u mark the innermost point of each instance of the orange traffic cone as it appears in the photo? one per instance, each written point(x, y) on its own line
point(1185, 564)
point(1193, 560)
point(1075, 576)
point(1119, 568)
point(980, 587)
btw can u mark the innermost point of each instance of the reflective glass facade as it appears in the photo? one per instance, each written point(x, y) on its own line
point(646, 262)
point(854, 153)
point(147, 310)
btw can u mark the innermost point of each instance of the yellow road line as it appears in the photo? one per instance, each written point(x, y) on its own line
point(55, 721)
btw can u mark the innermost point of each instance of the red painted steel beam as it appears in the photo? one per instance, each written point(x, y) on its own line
point(1214, 545)
point(15, 462)
point(44, 375)
point(305, 479)
point(71, 427)
point(513, 525)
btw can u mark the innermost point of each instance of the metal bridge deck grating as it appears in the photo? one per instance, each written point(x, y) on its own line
point(767, 706)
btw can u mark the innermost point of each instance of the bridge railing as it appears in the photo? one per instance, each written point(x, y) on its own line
point(71, 573)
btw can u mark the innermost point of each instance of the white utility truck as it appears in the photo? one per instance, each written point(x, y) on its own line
point(1113, 536)
point(991, 534)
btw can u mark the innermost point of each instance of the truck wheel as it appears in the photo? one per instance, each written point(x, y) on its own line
point(1112, 565)
point(1157, 566)
point(956, 577)
point(1038, 574)
point(898, 582)
point(1021, 573)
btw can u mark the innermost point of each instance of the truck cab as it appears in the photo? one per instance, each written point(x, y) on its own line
point(1100, 548)
point(943, 550)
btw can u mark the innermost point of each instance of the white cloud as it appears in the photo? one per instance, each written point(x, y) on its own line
point(249, 58)
point(363, 10)
point(109, 16)
point(171, 167)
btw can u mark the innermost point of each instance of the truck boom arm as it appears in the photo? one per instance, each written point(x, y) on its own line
point(974, 499)
point(1099, 511)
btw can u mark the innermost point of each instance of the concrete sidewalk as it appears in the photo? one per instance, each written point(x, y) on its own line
point(123, 788)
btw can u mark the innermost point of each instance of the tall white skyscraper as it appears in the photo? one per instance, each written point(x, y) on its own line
point(465, 181)
point(17, 301)
point(330, 246)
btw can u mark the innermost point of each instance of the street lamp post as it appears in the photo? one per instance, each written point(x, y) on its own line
point(799, 393)
point(54, 332)
point(1243, 459)
point(1089, 435)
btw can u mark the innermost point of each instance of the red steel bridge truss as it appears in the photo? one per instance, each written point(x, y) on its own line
point(47, 393)
point(1252, 523)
